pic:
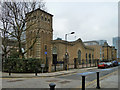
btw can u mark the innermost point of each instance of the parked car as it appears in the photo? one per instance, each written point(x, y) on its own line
point(102, 65)
point(115, 63)
point(109, 64)
point(119, 63)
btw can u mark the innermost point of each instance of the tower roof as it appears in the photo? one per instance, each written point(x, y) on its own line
point(38, 9)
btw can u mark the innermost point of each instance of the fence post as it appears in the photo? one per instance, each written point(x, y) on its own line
point(83, 82)
point(82, 63)
point(55, 67)
point(52, 86)
point(36, 71)
point(86, 63)
point(98, 84)
point(95, 62)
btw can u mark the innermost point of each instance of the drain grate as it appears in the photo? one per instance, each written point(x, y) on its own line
point(15, 80)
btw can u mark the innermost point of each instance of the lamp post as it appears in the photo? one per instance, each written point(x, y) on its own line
point(66, 54)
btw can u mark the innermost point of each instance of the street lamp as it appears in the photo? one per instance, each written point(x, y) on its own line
point(66, 39)
point(66, 54)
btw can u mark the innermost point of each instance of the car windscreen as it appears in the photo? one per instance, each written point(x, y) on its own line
point(100, 63)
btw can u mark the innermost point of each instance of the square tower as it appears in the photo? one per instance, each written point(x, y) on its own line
point(39, 34)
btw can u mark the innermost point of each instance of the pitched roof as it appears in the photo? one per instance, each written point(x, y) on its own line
point(38, 9)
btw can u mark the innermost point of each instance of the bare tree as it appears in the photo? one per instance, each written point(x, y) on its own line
point(15, 20)
point(5, 36)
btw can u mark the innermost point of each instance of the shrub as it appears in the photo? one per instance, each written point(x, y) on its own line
point(22, 65)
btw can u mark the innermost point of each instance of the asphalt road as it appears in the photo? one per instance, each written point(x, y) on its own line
point(64, 81)
point(90, 77)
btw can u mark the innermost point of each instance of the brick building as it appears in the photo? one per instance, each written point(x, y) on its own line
point(109, 52)
point(103, 52)
point(41, 32)
point(97, 49)
point(75, 49)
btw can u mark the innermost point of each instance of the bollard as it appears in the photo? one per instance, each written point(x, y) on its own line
point(52, 86)
point(98, 84)
point(83, 82)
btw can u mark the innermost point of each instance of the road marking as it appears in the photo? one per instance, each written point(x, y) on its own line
point(101, 78)
point(66, 74)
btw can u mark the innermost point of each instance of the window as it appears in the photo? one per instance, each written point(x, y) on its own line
point(41, 17)
point(86, 55)
point(48, 20)
point(45, 47)
point(45, 19)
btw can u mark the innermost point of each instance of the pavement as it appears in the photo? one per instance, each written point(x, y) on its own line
point(109, 81)
point(52, 74)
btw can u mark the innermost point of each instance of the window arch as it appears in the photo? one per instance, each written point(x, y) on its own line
point(54, 50)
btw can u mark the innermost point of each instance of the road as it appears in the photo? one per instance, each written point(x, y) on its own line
point(64, 81)
point(90, 77)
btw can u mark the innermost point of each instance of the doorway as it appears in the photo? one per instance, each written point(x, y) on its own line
point(54, 58)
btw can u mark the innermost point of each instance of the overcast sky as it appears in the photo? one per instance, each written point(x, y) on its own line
point(89, 20)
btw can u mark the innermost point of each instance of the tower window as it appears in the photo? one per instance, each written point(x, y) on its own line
point(45, 47)
point(41, 17)
point(48, 20)
point(45, 19)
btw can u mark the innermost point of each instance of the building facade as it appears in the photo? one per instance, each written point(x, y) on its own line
point(75, 49)
point(109, 52)
point(103, 52)
point(97, 49)
point(116, 43)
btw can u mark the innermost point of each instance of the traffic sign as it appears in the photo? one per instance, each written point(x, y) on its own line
point(45, 53)
point(42, 65)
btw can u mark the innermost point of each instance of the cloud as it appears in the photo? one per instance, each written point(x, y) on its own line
point(90, 21)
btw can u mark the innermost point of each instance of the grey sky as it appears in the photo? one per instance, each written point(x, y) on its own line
point(89, 20)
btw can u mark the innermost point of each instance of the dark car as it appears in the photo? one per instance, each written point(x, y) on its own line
point(115, 63)
point(102, 65)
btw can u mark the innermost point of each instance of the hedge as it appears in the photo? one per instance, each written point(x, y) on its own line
point(22, 65)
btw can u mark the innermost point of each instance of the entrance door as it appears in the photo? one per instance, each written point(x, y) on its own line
point(54, 58)
point(79, 56)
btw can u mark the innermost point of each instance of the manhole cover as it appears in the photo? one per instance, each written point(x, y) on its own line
point(52, 80)
point(15, 80)
point(64, 82)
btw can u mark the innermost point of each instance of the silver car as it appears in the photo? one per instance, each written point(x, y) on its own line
point(109, 64)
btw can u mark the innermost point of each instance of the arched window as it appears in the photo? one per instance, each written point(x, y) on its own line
point(89, 58)
point(54, 50)
point(79, 56)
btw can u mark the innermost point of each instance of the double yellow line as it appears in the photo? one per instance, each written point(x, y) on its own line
point(101, 78)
